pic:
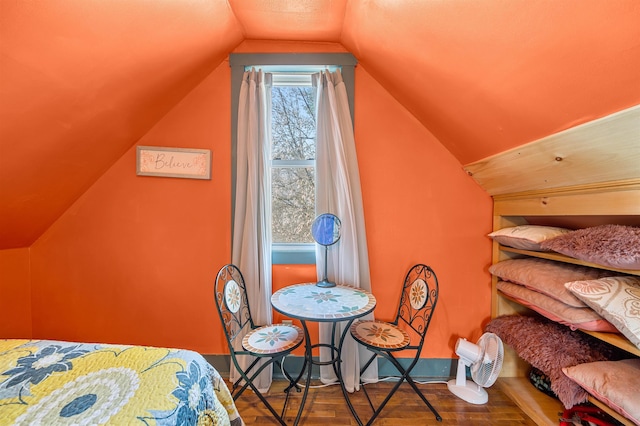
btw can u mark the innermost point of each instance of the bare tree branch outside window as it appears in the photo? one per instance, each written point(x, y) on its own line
point(293, 152)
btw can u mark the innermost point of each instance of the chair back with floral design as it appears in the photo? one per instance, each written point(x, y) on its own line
point(232, 303)
point(417, 303)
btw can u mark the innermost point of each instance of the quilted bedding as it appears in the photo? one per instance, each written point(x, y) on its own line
point(46, 382)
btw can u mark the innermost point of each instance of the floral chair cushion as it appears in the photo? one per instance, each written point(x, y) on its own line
point(379, 334)
point(271, 339)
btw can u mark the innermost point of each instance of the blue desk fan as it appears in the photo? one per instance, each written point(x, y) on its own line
point(326, 232)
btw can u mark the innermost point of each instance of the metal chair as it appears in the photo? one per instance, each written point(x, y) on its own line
point(405, 333)
point(269, 343)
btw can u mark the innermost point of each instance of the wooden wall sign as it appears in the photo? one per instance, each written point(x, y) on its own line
point(173, 162)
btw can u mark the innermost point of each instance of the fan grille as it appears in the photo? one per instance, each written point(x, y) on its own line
point(486, 370)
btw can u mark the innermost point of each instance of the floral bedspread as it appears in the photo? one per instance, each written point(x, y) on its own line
point(46, 382)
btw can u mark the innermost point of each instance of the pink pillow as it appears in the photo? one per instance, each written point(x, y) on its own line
point(526, 237)
point(616, 383)
point(549, 347)
point(546, 276)
point(615, 246)
point(574, 318)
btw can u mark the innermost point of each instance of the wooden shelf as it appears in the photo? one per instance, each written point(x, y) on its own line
point(604, 407)
point(541, 408)
point(617, 340)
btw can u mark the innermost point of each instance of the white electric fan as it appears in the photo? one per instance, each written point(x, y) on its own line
point(484, 360)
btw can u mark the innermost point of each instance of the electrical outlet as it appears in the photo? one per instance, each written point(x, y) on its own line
point(287, 322)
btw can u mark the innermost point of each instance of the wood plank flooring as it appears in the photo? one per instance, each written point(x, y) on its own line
point(326, 406)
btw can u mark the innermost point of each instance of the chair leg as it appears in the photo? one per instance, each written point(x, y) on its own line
point(293, 383)
point(364, 389)
point(424, 399)
point(248, 382)
point(404, 377)
point(242, 377)
point(278, 417)
point(384, 403)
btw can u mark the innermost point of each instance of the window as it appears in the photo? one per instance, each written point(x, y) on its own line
point(293, 150)
point(293, 143)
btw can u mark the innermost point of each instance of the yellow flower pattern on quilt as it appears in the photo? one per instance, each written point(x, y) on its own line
point(63, 383)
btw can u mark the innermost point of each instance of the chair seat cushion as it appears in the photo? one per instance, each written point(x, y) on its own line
point(379, 334)
point(271, 339)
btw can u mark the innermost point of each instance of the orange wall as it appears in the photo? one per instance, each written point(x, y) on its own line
point(421, 207)
point(133, 260)
point(15, 294)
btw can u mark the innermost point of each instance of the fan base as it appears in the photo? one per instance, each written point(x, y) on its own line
point(470, 392)
point(325, 284)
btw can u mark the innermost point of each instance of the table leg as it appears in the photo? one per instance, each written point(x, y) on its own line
point(336, 361)
point(308, 364)
point(339, 372)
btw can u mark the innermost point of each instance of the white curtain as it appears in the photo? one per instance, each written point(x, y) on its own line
point(252, 212)
point(338, 192)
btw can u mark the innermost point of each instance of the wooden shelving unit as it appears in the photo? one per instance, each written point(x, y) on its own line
point(613, 202)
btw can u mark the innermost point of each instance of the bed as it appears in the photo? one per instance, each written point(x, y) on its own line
point(56, 382)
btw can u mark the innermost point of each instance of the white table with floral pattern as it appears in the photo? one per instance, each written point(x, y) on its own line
point(308, 302)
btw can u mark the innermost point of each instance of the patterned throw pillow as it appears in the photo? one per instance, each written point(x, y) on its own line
point(527, 237)
point(615, 298)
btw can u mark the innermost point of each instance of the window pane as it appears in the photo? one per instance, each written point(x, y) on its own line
point(293, 204)
point(293, 123)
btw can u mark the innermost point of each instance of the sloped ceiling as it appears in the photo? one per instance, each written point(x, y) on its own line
point(82, 80)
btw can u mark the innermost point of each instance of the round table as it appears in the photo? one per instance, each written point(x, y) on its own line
point(308, 302)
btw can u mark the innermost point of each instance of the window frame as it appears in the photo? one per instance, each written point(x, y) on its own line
point(285, 253)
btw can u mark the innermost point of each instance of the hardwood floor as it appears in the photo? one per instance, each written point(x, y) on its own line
point(326, 406)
